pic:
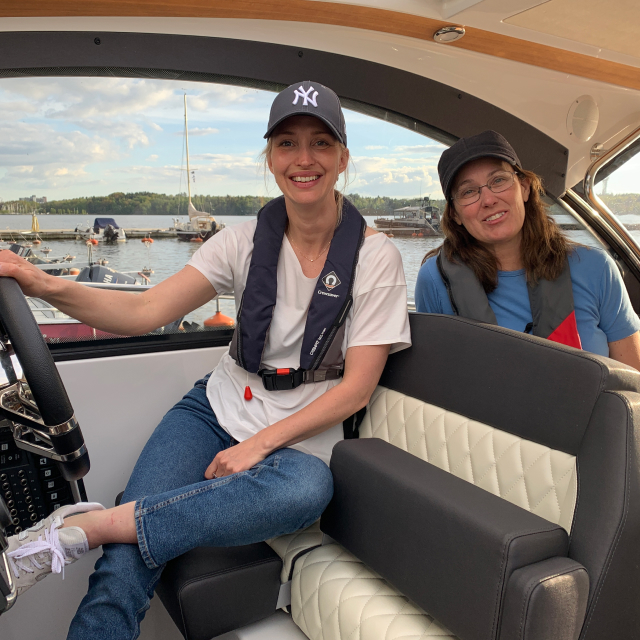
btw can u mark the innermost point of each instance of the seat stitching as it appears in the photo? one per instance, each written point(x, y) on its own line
point(495, 461)
point(340, 601)
point(431, 620)
point(387, 412)
point(362, 568)
point(557, 482)
point(423, 433)
point(322, 583)
point(468, 455)
point(553, 488)
point(446, 443)
point(494, 464)
point(446, 439)
point(524, 471)
point(404, 424)
point(400, 612)
point(314, 593)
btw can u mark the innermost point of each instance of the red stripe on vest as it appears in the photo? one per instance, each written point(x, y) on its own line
point(567, 332)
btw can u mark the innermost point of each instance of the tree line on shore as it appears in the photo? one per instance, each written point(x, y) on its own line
point(154, 204)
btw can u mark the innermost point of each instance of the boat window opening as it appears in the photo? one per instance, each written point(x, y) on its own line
point(121, 191)
point(618, 187)
point(126, 190)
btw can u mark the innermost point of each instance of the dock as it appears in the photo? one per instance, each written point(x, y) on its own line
point(70, 234)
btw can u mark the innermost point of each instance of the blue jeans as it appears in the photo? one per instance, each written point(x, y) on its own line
point(177, 510)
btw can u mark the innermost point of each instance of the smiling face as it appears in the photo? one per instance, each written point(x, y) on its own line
point(496, 219)
point(306, 160)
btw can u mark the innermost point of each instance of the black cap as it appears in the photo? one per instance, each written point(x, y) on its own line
point(309, 98)
point(488, 144)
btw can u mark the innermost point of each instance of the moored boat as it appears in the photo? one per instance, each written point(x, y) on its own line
point(422, 220)
point(103, 229)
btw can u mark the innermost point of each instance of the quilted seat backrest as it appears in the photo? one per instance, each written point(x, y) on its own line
point(549, 428)
point(533, 476)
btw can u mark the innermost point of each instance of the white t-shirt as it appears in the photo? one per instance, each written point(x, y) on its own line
point(378, 316)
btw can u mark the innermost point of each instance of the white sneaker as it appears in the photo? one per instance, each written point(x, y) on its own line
point(46, 548)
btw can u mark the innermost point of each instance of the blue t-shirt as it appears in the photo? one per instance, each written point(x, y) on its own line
point(603, 310)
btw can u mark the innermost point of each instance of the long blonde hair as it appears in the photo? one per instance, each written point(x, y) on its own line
point(338, 193)
point(544, 248)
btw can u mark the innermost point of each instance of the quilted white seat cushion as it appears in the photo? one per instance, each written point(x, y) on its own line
point(530, 475)
point(290, 546)
point(334, 596)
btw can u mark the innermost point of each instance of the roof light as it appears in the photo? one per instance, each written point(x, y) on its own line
point(448, 34)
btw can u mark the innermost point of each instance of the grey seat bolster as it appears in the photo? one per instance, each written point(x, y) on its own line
point(209, 591)
point(545, 600)
point(446, 544)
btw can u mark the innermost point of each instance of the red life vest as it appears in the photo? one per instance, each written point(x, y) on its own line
point(551, 302)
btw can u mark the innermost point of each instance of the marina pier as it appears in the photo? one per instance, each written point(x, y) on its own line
point(71, 234)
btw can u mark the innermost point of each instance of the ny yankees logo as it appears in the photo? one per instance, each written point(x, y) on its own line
point(301, 93)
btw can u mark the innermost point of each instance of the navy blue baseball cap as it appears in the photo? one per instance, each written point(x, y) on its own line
point(488, 144)
point(309, 98)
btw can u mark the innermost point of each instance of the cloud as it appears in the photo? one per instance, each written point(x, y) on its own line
point(82, 136)
point(430, 149)
point(35, 156)
point(395, 176)
point(40, 144)
point(131, 133)
point(209, 167)
point(203, 132)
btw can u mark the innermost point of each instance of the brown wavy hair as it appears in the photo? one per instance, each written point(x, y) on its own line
point(544, 248)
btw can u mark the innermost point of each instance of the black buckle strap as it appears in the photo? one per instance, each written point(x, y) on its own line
point(287, 379)
point(281, 379)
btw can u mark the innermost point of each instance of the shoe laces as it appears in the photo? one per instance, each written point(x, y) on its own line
point(33, 552)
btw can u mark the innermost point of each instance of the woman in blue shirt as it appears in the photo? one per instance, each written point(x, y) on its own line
point(505, 261)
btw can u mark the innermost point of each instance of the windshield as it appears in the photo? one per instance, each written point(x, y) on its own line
point(618, 186)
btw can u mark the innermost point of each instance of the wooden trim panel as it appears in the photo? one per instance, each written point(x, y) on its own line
point(339, 14)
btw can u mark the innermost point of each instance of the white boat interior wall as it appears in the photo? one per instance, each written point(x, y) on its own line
point(118, 404)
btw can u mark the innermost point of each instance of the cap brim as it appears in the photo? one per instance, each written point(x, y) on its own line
point(476, 156)
point(333, 130)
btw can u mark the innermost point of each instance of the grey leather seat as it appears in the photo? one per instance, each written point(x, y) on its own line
point(494, 493)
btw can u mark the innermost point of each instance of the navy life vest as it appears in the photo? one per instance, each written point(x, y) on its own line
point(554, 316)
point(321, 352)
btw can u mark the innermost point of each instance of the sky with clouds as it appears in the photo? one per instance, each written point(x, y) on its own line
point(70, 137)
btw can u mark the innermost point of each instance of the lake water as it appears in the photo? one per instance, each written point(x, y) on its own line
point(167, 256)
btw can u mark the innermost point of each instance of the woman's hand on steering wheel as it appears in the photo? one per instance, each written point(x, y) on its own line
point(32, 281)
point(240, 457)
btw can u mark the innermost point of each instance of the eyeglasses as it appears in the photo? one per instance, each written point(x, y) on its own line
point(499, 182)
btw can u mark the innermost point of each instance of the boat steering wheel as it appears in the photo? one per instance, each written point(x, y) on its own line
point(40, 411)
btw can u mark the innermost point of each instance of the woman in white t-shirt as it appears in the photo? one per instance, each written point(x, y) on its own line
point(233, 462)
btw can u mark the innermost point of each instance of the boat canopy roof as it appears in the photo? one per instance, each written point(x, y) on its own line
point(102, 223)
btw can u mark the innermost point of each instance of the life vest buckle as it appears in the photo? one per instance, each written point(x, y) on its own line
point(281, 379)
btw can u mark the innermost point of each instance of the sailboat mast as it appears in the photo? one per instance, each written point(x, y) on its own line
point(186, 134)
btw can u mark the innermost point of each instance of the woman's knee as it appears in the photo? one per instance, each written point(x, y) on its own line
point(310, 485)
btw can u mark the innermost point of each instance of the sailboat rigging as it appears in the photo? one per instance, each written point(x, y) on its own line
point(200, 226)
